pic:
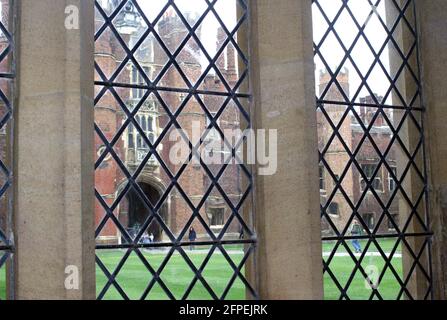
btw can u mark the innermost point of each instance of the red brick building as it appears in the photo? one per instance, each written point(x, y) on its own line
point(352, 133)
point(131, 148)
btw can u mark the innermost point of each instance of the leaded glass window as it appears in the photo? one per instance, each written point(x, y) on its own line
point(370, 119)
point(169, 72)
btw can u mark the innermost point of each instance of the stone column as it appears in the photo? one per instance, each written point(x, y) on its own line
point(54, 185)
point(410, 136)
point(433, 25)
point(289, 264)
point(243, 39)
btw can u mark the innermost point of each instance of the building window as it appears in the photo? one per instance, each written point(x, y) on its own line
point(138, 79)
point(148, 124)
point(216, 217)
point(368, 218)
point(333, 209)
point(131, 136)
point(376, 183)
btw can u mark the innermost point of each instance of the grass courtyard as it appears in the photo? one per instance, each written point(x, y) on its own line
point(342, 267)
point(2, 283)
point(176, 275)
point(134, 277)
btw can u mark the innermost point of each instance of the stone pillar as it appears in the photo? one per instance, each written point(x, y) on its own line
point(243, 38)
point(287, 203)
point(410, 136)
point(54, 179)
point(433, 25)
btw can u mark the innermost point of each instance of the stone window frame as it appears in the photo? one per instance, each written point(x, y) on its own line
point(283, 69)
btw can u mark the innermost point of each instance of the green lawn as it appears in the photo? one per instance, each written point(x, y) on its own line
point(386, 244)
point(343, 265)
point(342, 268)
point(177, 275)
point(2, 283)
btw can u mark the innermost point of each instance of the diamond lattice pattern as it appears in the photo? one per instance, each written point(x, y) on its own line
point(172, 229)
point(376, 236)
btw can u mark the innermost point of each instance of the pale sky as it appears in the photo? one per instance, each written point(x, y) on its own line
point(346, 29)
point(331, 50)
point(225, 8)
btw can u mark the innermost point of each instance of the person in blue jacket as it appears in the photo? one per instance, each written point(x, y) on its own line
point(356, 231)
point(192, 237)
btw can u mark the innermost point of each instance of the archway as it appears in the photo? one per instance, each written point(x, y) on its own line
point(135, 212)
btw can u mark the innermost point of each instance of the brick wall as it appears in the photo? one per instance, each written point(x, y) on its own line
point(194, 181)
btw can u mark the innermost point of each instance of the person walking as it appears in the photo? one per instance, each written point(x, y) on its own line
point(356, 231)
point(192, 237)
point(145, 238)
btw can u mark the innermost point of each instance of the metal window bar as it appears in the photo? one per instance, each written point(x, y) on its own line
point(231, 94)
point(401, 234)
point(7, 78)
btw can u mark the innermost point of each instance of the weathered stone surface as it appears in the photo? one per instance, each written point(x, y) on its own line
point(434, 63)
point(289, 263)
point(54, 143)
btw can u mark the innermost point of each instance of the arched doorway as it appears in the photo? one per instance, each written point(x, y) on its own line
point(135, 212)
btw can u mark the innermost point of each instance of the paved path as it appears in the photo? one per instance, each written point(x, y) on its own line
point(201, 251)
point(232, 252)
point(368, 254)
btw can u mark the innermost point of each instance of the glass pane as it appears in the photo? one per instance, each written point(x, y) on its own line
point(372, 171)
point(171, 200)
